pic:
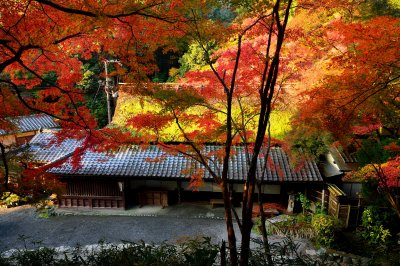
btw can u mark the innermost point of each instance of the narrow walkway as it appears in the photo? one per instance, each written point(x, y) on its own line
point(184, 210)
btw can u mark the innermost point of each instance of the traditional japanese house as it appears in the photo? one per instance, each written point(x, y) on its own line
point(25, 127)
point(343, 193)
point(149, 175)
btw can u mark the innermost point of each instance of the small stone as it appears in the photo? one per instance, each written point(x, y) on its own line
point(347, 260)
point(365, 261)
point(330, 257)
point(321, 252)
point(311, 252)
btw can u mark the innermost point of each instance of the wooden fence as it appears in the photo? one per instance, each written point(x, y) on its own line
point(349, 215)
point(92, 194)
point(92, 202)
point(336, 203)
point(347, 211)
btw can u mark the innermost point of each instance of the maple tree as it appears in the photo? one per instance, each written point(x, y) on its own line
point(239, 87)
point(365, 86)
point(381, 162)
point(355, 91)
point(56, 32)
point(42, 37)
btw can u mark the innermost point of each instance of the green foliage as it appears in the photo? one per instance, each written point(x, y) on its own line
point(370, 193)
point(166, 60)
point(94, 94)
point(91, 70)
point(380, 208)
point(313, 145)
point(195, 58)
point(9, 199)
point(372, 152)
point(292, 227)
point(373, 8)
point(45, 208)
point(373, 230)
point(324, 226)
point(305, 203)
point(191, 252)
point(98, 107)
point(200, 252)
point(319, 209)
point(140, 254)
point(160, 77)
point(49, 79)
point(319, 228)
point(41, 256)
point(222, 13)
point(285, 254)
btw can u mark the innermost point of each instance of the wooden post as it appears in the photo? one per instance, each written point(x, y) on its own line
point(337, 209)
point(179, 185)
point(222, 253)
point(323, 200)
point(348, 215)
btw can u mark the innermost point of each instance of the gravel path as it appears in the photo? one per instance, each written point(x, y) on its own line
point(84, 229)
point(150, 224)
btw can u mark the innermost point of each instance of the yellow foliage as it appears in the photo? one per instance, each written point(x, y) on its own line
point(129, 106)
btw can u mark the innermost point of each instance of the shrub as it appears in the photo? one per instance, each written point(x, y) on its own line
point(9, 199)
point(198, 251)
point(293, 227)
point(133, 254)
point(285, 253)
point(319, 228)
point(305, 203)
point(324, 227)
point(41, 256)
point(45, 208)
point(372, 229)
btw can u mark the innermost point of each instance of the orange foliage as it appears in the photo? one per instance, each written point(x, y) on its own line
point(196, 180)
point(41, 36)
point(358, 92)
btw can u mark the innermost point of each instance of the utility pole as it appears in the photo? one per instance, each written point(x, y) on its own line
point(111, 92)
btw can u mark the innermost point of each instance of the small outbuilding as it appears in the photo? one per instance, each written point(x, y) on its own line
point(25, 127)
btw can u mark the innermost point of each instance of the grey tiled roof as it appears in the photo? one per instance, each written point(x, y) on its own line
point(31, 123)
point(344, 160)
point(348, 157)
point(154, 163)
point(43, 149)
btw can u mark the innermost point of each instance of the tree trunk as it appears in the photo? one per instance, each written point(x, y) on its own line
point(4, 185)
point(263, 228)
point(222, 253)
point(247, 222)
point(229, 226)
